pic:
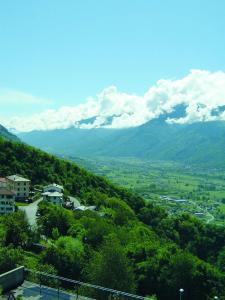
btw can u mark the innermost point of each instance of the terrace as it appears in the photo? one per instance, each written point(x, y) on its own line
point(27, 284)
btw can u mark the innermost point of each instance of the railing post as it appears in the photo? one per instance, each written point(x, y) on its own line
point(58, 288)
point(40, 284)
point(77, 290)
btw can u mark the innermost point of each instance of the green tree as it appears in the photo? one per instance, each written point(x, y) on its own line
point(221, 260)
point(66, 255)
point(111, 268)
point(53, 217)
point(17, 229)
point(10, 258)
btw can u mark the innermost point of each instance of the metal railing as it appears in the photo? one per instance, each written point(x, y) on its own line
point(61, 286)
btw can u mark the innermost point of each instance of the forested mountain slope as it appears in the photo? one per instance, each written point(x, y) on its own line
point(43, 168)
point(201, 143)
point(125, 244)
point(6, 134)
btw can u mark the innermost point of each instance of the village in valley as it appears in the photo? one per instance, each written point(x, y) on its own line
point(17, 192)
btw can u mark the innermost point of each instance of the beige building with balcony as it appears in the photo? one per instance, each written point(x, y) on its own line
point(19, 185)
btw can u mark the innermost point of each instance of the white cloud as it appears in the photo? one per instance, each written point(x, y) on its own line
point(18, 97)
point(200, 91)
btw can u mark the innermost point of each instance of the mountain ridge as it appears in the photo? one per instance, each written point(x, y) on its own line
point(7, 135)
point(196, 143)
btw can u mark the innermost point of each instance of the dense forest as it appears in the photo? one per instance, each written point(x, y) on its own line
point(125, 244)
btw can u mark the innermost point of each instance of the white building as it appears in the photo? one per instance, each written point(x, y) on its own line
point(19, 185)
point(7, 201)
point(53, 188)
point(53, 197)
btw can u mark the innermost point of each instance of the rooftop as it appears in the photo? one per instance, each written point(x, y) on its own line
point(4, 191)
point(17, 178)
point(75, 201)
point(2, 179)
point(84, 208)
point(52, 194)
point(54, 185)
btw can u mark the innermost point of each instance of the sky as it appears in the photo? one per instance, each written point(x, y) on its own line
point(59, 56)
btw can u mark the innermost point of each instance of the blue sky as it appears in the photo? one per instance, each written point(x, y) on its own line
point(64, 51)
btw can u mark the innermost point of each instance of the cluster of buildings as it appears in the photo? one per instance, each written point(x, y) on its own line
point(17, 188)
point(12, 188)
point(53, 193)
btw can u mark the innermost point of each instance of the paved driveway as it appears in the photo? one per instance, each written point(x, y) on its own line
point(31, 211)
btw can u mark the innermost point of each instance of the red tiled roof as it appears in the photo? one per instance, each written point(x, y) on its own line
point(6, 192)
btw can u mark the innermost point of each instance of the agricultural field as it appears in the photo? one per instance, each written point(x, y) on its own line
point(173, 186)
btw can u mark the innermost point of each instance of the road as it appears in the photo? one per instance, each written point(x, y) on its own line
point(31, 211)
point(211, 218)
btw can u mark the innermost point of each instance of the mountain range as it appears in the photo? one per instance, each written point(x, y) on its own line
point(201, 143)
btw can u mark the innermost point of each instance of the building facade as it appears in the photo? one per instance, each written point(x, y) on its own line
point(19, 185)
point(7, 201)
point(53, 197)
point(53, 188)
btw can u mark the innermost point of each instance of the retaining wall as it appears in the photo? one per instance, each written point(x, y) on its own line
point(12, 279)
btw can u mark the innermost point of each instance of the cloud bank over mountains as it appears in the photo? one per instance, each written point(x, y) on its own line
point(201, 92)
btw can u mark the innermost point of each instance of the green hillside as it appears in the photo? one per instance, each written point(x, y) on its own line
point(124, 244)
point(7, 135)
point(43, 168)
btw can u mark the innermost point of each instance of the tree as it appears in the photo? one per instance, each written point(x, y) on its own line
point(111, 268)
point(197, 278)
point(9, 258)
point(54, 217)
point(66, 255)
point(221, 260)
point(17, 229)
point(152, 215)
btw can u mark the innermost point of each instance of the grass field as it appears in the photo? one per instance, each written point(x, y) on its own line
point(21, 203)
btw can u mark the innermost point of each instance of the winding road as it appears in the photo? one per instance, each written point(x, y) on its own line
point(31, 211)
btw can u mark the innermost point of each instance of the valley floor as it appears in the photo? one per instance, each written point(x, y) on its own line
point(176, 187)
